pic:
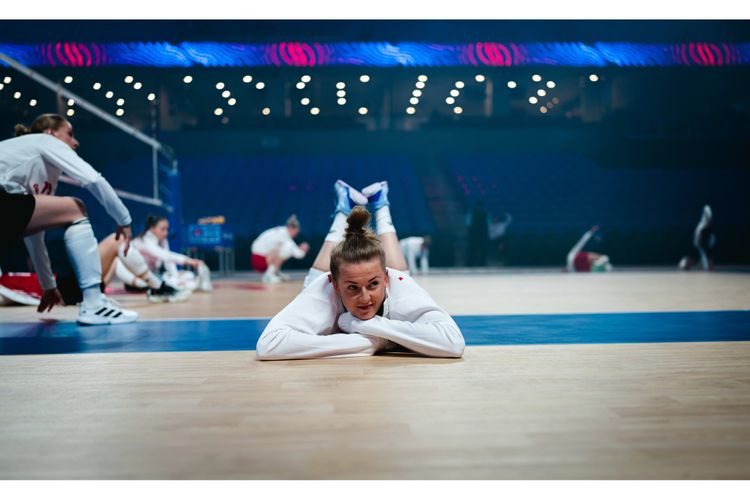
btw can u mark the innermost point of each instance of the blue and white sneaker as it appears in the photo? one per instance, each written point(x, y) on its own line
point(347, 197)
point(377, 194)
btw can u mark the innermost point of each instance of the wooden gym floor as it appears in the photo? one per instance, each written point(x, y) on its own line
point(525, 401)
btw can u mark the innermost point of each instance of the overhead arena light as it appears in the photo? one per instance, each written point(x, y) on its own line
point(120, 112)
point(226, 94)
point(71, 112)
point(137, 85)
point(455, 93)
point(550, 84)
point(247, 79)
point(300, 85)
point(458, 110)
point(479, 78)
point(536, 78)
point(68, 79)
point(304, 101)
point(341, 93)
point(533, 100)
point(232, 101)
point(120, 102)
point(109, 94)
point(450, 101)
point(306, 78)
point(187, 79)
point(151, 96)
point(7, 80)
point(71, 102)
point(459, 84)
point(364, 78)
point(220, 85)
point(414, 100)
point(416, 93)
point(541, 92)
point(266, 111)
point(97, 86)
point(422, 78)
point(129, 79)
point(543, 110)
point(419, 84)
point(340, 85)
point(362, 110)
point(341, 101)
point(593, 77)
point(218, 111)
point(512, 84)
point(314, 111)
point(260, 85)
point(32, 102)
point(410, 110)
point(17, 95)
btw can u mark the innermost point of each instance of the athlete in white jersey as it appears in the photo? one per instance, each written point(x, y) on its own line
point(417, 247)
point(154, 246)
point(274, 246)
point(355, 302)
point(30, 165)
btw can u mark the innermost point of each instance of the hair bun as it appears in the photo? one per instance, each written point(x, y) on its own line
point(357, 222)
point(22, 130)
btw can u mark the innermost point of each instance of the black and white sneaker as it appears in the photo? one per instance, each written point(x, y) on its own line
point(107, 312)
point(167, 293)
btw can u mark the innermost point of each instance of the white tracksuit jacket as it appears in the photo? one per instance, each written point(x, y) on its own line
point(316, 325)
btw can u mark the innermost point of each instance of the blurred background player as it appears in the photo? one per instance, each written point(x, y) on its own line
point(704, 241)
point(274, 246)
point(417, 247)
point(154, 246)
point(587, 261)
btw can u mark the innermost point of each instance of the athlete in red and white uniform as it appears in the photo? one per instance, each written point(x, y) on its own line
point(30, 166)
point(587, 261)
point(361, 306)
point(274, 246)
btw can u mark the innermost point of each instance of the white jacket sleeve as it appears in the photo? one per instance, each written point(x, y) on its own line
point(434, 334)
point(306, 329)
point(64, 158)
point(40, 260)
point(106, 195)
point(157, 252)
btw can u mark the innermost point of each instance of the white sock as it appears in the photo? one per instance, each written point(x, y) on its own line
point(336, 234)
point(271, 270)
point(135, 263)
point(383, 222)
point(312, 274)
point(83, 252)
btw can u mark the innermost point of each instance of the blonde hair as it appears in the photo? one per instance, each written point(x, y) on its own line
point(360, 244)
point(41, 123)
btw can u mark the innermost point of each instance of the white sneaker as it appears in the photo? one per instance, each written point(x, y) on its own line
point(271, 279)
point(377, 194)
point(347, 197)
point(107, 312)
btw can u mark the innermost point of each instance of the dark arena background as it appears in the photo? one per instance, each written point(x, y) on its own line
point(229, 127)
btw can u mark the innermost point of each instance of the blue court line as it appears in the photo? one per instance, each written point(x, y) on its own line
point(242, 334)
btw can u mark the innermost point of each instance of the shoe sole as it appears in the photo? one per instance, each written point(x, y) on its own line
point(107, 323)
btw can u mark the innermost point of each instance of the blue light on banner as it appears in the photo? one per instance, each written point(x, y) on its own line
point(378, 54)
